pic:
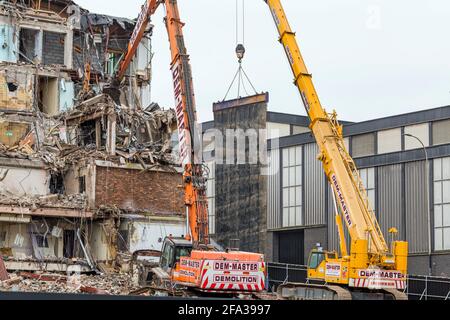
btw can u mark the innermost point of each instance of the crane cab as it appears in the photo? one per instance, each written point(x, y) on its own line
point(322, 264)
point(316, 264)
point(172, 250)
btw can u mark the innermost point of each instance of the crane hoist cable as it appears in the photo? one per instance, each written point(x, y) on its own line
point(237, 21)
point(240, 74)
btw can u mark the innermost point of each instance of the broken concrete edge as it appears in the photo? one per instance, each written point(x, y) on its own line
point(240, 102)
point(109, 281)
point(112, 284)
point(46, 212)
point(135, 166)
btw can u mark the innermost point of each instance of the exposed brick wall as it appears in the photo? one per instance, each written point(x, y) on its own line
point(152, 192)
point(53, 48)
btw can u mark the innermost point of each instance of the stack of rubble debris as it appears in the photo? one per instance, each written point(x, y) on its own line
point(74, 201)
point(141, 135)
point(107, 284)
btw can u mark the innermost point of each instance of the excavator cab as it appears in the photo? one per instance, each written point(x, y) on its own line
point(173, 249)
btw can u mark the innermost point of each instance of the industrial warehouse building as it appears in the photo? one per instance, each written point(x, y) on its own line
point(403, 187)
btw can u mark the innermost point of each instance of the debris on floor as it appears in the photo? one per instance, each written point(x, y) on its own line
point(105, 284)
point(77, 160)
point(75, 201)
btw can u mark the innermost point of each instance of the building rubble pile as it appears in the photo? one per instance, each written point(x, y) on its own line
point(105, 284)
point(143, 136)
point(75, 201)
point(72, 144)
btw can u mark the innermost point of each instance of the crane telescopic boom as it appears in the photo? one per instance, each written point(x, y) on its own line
point(339, 167)
point(372, 264)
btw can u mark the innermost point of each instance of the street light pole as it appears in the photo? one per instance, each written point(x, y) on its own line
point(427, 168)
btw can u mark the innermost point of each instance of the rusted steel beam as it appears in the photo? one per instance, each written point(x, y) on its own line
point(44, 277)
point(92, 290)
point(260, 98)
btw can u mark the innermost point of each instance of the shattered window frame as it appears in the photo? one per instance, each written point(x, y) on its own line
point(37, 47)
point(42, 241)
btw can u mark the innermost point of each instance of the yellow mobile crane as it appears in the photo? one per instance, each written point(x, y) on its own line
point(373, 269)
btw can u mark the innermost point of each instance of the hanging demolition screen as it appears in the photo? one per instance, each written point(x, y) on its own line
point(240, 185)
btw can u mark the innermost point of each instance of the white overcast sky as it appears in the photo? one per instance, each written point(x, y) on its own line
point(369, 58)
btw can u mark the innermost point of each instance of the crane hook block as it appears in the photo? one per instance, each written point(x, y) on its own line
point(240, 52)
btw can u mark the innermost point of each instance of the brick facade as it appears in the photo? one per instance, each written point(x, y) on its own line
point(134, 190)
point(53, 48)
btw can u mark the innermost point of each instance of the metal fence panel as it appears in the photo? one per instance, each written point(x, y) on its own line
point(417, 288)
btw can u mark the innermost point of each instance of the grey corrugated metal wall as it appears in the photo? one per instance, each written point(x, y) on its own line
point(416, 207)
point(273, 190)
point(314, 187)
point(390, 202)
point(333, 236)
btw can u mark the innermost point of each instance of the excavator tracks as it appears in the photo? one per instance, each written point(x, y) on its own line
point(398, 295)
point(304, 291)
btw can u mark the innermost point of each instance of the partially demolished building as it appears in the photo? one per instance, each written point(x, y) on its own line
point(83, 176)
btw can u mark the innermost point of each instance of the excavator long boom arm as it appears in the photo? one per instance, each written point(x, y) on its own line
point(138, 33)
point(339, 167)
point(188, 135)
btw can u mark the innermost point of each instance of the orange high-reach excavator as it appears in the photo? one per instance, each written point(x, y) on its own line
point(191, 262)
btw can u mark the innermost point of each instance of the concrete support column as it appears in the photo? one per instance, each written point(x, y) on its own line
point(111, 134)
point(68, 49)
point(98, 134)
point(39, 45)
